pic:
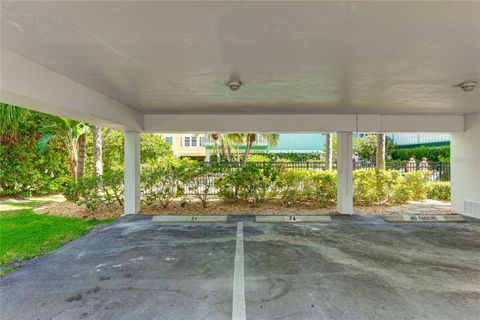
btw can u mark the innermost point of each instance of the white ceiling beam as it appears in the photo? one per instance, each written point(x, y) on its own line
point(410, 123)
point(305, 123)
point(28, 84)
point(248, 123)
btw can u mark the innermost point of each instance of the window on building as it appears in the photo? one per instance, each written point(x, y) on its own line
point(187, 141)
point(201, 141)
point(169, 140)
point(194, 141)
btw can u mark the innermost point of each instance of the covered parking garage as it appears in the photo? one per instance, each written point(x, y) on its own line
point(303, 67)
point(334, 66)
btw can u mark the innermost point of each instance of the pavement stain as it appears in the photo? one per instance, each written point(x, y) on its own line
point(78, 296)
point(75, 297)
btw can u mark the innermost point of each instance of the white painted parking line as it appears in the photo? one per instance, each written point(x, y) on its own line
point(238, 302)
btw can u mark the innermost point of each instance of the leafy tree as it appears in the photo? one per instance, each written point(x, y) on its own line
point(22, 171)
point(366, 147)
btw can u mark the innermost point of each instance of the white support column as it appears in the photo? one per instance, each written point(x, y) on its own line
point(465, 172)
point(344, 173)
point(132, 173)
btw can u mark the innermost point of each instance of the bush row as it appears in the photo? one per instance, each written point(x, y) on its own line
point(433, 154)
point(168, 178)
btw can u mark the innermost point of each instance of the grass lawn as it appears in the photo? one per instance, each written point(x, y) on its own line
point(24, 234)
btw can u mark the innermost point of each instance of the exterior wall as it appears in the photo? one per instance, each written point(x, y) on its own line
point(180, 149)
point(299, 143)
point(412, 139)
point(465, 159)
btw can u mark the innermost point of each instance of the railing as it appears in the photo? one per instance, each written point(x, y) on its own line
point(440, 171)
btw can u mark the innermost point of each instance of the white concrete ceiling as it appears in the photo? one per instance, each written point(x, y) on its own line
point(293, 57)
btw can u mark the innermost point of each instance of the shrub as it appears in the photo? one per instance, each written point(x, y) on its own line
point(417, 183)
point(255, 182)
point(201, 180)
point(228, 187)
point(161, 180)
point(372, 187)
point(365, 190)
point(290, 186)
point(258, 158)
point(93, 192)
point(438, 190)
point(322, 187)
point(249, 183)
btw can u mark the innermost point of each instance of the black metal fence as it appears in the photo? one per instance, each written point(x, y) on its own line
point(440, 171)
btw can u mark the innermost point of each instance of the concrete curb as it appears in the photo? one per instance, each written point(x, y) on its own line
point(189, 219)
point(406, 218)
point(293, 219)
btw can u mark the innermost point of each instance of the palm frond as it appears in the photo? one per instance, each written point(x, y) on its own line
point(272, 138)
point(43, 141)
point(10, 118)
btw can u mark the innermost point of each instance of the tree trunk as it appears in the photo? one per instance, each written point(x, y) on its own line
point(328, 152)
point(82, 150)
point(380, 151)
point(251, 138)
point(224, 150)
point(72, 153)
point(97, 151)
point(215, 139)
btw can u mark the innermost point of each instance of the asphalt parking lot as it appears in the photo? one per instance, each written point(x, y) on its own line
point(351, 268)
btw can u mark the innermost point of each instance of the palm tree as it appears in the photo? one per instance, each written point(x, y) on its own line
point(328, 151)
point(230, 139)
point(82, 155)
point(11, 118)
point(271, 138)
point(97, 151)
point(68, 131)
point(380, 151)
point(215, 137)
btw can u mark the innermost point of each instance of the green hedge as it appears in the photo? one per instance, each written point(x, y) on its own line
point(433, 154)
point(165, 179)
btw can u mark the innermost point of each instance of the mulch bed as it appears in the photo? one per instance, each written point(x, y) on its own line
point(215, 207)
point(70, 209)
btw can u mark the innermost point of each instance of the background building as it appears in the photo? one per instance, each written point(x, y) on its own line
point(299, 143)
point(191, 145)
point(420, 139)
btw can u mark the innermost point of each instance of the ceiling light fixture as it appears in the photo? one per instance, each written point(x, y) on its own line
point(467, 86)
point(234, 85)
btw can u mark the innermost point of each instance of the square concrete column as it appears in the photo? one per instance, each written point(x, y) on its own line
point(132, 173)
point(465, 171)
point(344, 173)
